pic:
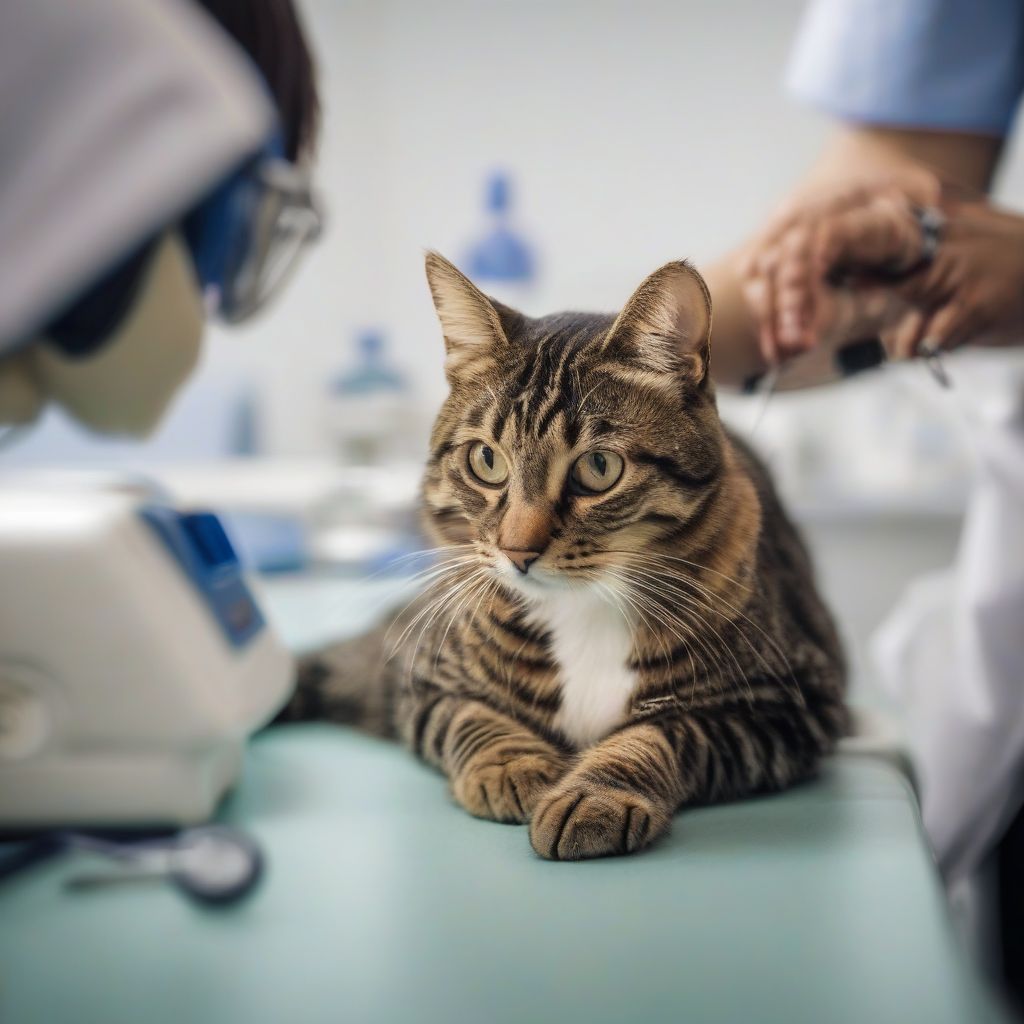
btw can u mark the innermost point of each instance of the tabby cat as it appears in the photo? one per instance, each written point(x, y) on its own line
point(622, 621)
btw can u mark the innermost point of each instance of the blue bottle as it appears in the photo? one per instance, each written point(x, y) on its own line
point(369, 406)
point(502, 263)
point(371, 372)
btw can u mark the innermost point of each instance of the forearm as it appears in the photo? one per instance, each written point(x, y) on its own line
point(969, 161)
point(735, 354)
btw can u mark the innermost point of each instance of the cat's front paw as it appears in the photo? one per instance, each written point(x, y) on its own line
point(507, 791)
point(576, 821)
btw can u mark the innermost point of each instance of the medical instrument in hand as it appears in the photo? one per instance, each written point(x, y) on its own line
point(869, 353)
point(134, 657)
point(932, 355)
point(210, 864)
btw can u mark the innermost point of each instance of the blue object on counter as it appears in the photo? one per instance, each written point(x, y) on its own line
point(372, 371)
point(198, 543)
point(267, 542)
point(501, 255)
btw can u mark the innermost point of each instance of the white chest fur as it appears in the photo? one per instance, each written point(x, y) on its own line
point(591, 643)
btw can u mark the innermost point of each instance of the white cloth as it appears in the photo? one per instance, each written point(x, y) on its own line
point(115, 117)
point(952, 653)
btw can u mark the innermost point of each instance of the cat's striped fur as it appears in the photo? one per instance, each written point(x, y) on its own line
point(667, 648)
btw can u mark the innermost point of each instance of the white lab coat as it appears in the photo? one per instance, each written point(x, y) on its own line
point(952, 652)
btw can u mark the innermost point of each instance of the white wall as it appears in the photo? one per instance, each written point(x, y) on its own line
point(636, 132)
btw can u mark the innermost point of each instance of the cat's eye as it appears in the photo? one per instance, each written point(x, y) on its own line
point(596, 472)
point(487, 464)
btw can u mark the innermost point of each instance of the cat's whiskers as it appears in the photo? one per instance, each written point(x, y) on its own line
point(701, 636)
point(648, 578)
point(443, 579)
point(586, 397)
point(782, 671)
point(483, 586)
point(712, 595)
point(430, 576)
point(386, 601)
point(424, 616)
point(434, 577)
point(658, 555)
point(691, 638)
point(617, 598)
point(705, 599)
point(688, 639)
point(451, 596)
point(694, 610)
point(448, 578)
point(411, 555)
point(459, 591)
point(435, 567)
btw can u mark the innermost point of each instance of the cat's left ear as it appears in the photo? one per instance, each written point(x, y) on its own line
point(666, 325)
point(474, 326)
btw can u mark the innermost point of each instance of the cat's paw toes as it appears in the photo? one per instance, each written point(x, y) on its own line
point(507, 792)
point(577, 822)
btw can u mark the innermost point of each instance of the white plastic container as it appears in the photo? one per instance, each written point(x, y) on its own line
point(134, 659)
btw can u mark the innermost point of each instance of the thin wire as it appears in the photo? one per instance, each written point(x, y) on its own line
point(768, 384)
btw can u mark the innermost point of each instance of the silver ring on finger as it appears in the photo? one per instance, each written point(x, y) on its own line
point(932, 223)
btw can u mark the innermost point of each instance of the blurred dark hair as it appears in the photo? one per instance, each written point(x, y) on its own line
point(271, 33)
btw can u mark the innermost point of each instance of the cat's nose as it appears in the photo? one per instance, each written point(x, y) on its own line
point(522, 560)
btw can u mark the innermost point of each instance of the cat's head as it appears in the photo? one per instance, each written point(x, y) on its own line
point(572, 444)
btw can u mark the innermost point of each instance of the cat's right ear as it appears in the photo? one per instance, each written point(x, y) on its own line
point(665, 327)
point(474, 326)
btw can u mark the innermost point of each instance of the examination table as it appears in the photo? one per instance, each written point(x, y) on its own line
point(384, 902)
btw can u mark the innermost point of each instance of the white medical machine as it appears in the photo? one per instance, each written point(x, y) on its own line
point(134, 658)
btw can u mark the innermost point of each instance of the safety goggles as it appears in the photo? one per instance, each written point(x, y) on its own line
point(283, 218)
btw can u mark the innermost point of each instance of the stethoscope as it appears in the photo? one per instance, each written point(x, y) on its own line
point(211, 864)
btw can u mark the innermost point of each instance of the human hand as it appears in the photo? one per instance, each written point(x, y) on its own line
point(784, 284)
point(972, 291)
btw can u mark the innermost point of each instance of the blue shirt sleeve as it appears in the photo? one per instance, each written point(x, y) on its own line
point(939, 64)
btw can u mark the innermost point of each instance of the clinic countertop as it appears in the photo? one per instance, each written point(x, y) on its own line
point(383, 902)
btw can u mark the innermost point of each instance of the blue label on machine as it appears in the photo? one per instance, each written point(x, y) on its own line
point(201, 547)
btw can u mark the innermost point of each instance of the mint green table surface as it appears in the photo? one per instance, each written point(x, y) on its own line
point(383, 902)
